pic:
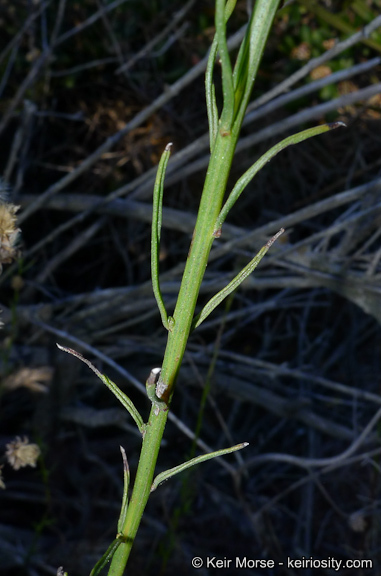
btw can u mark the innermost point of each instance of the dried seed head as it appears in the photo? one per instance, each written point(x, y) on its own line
point(2, 485)
point(320, 72)
point(8, 232)
point(36, 379)
point(301, 52)
point(20, 453)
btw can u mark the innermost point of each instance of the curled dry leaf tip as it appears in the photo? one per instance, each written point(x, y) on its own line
point(334, 125)
point(275, 237)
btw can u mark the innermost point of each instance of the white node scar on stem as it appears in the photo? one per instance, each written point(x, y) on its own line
point(161, 387)
point(153, 376)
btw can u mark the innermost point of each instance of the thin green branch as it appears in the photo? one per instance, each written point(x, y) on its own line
point(157, 212)
point(262, 161)
point(122, 397)
point(220, 296)
point(197, 460)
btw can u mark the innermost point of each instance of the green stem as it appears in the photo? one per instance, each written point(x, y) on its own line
point(141, 491)
point(181, 324)
point(210, 207)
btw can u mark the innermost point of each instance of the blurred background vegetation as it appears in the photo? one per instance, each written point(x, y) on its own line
point(91, 92)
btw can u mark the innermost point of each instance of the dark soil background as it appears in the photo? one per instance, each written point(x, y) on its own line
point(290, 363)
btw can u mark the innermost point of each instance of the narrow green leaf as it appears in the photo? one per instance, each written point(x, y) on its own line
point(157, 211)
point(217, 299)
point(227, 115)
point(210, 93)
point(172, 471)
point(126, 483)
point(229, 8)
point(122, 397)
point(250, 54)
point(106, 557)
point(241, 65)
point(254, 169)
